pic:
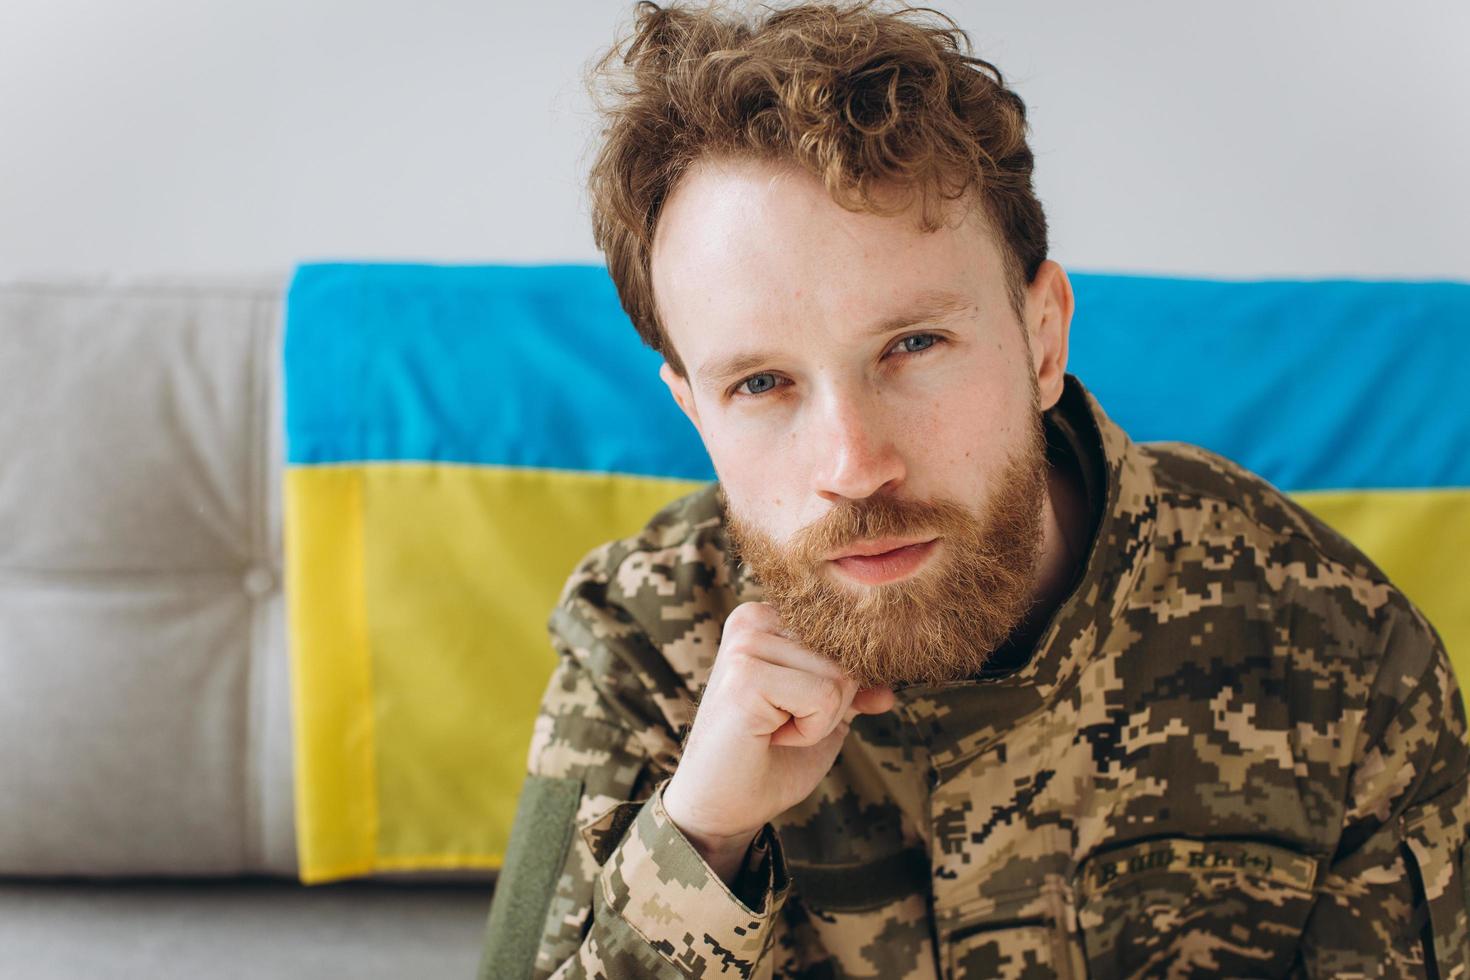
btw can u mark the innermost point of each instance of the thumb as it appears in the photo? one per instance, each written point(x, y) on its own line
point(874, 700)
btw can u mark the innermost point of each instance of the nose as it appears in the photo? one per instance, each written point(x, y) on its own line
point(856, 454)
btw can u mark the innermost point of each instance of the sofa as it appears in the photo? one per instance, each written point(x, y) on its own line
point(147, 814)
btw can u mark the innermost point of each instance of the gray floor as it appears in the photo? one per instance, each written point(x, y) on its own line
point(245, 927)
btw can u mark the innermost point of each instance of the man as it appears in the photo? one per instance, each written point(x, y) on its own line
point(945, 677)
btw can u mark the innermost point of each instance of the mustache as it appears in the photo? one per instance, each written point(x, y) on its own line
point(853, 520)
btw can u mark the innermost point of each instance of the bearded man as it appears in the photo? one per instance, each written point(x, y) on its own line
point(945, 676)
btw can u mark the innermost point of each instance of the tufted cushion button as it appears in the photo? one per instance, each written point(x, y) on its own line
point(259, 581)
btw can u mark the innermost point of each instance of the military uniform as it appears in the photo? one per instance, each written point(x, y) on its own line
point(1236, 750)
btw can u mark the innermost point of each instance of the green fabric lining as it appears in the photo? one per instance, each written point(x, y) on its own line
point(523, 890)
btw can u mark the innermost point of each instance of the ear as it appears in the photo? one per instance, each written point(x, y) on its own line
point(683, 394)
point(1048, 324)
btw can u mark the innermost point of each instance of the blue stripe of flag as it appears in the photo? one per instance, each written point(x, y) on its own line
point(514, 366)
point(1330, 384)
point(1314, 384)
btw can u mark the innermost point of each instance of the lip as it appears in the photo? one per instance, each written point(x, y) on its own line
point(885, 560)
point(877, 546)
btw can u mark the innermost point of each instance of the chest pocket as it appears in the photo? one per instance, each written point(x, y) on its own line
point(1434, 838)
point(1020, 936)
point(1224, 907)
point(1019, 949)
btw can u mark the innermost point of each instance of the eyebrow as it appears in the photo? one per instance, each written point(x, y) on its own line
point(926, 308)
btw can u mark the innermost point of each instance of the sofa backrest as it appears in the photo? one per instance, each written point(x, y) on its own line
point(143, 679)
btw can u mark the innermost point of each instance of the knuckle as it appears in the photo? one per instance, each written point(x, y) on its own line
point(737, 639)
point(832, 696)
point(761, 616)
point(740, 663)
point(747, 614)
point(738, 628)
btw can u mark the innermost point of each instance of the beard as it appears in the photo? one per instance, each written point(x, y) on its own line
point(940, 624)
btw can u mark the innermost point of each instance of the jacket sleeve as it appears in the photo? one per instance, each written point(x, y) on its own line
point(597, 881)
point(1393, 900)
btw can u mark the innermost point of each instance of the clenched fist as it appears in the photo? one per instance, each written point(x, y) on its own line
point(770, 723)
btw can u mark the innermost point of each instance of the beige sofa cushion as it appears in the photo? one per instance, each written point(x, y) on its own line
point(144, 698)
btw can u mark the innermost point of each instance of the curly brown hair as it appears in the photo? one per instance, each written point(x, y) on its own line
point(867, 99)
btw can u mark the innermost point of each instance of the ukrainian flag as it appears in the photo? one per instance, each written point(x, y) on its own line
point(457, 437)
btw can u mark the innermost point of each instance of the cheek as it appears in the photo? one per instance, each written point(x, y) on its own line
point(763, 477)
point(967, 432)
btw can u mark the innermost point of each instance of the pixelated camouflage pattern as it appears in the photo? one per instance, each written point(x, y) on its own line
point(1237, 751)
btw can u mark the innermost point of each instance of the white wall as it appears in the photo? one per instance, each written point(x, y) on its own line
point(1317, 137)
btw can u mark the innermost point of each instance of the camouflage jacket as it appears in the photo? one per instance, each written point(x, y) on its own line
point(1236, 750)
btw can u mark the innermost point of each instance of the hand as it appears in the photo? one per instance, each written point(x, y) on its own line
point(769, 726)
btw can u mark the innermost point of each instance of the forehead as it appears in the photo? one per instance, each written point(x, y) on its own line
point(748, 247)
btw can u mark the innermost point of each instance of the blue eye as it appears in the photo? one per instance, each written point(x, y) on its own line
point(757, 383)
point(763, 382)
point(918, 342)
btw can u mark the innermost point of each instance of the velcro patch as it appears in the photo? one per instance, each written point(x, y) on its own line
point(527, 880)
point(1271, 862)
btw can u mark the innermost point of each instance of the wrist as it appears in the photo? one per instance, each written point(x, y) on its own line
point(724, 853)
